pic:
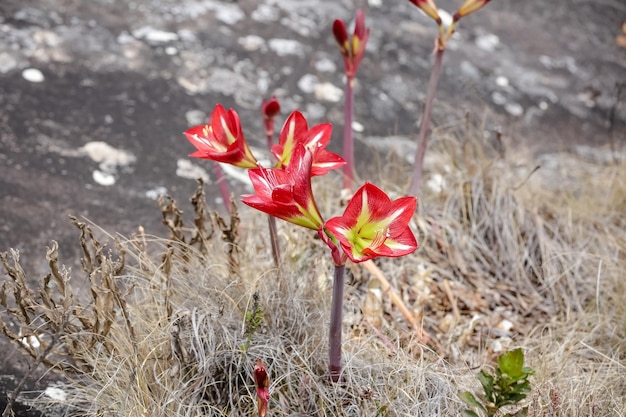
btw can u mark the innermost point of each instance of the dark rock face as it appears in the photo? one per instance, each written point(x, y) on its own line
point(94, 95)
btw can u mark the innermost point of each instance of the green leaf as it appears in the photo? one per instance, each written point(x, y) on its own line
point(511, 363)
point(470, 413)
point(469, 399)
point(486, 381)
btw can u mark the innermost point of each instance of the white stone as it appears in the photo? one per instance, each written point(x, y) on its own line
point(375, 3)
point(229, 13)
point(187, 169)
point(325, 65)
point(251, 42)
point(307, 83)
point(155, 193)
point(33, 75)
point(514, 109)
point(502, 81)
point(196, 117)
point(286, 47)
point(108, 157)
point(436, 183)
point(357, 127)
point(328, 92)
point(31, 341)
point(265, 13)
point(170, 50)
point(488, 42)
point(505, 325)
point(498, 98)
point(103, 178)
point(153, 35)
point(56, 393)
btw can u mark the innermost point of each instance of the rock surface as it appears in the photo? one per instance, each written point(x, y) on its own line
point(94, 95)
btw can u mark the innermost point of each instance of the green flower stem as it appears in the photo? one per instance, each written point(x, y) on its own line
point(223, 184)
point(422, 142)
point(348, 143)
point(334, 353)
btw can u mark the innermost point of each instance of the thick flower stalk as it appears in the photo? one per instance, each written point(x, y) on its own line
point(429, 7)
point(222, 140)
point(270, 109)
point(373, 225)
point(352, 50)
point(296, 131)
point(286, 193)
point(262, 385)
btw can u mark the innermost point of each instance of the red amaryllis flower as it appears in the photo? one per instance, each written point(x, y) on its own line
point(373, 225)
point(352, 50)
point(286, 193)
point(294, 131)
point(262, 384)
point(222, 140)
point(470, 6)
point(429, 7)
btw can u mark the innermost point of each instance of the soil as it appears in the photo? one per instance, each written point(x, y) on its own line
point(94, 95)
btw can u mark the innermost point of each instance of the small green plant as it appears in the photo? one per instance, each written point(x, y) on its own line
point(508, 386)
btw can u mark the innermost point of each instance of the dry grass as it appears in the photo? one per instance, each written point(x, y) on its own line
point(506, 260)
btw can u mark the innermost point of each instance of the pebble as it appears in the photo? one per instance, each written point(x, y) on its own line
point(251, 42)
point(154, 36)
point(155, 193)
point(55, 393)
point(103, 178)
point(487, 42)
point(189, 170)
point(325, 65)
point(502, 81)
point(514, 109)
point(33, 75)
point(196, 117)
point(357, 127)
point(307, 83)
point(285, 47)
point(328, 92)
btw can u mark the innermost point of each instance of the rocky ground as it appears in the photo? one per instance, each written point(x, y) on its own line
point(94, 95)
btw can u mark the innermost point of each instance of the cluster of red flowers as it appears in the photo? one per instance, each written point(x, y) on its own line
point(372, 225)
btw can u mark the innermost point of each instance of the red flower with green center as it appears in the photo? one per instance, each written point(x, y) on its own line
point(295, 131)
point(352, 51)
point(373, 225)
point(222, 140)
point(286, 193)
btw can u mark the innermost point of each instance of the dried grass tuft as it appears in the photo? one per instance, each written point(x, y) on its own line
point(510, 256)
